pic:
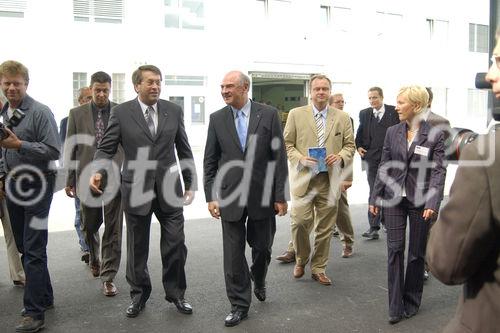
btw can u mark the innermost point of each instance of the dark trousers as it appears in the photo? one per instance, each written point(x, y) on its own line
point(172, 249)
point(405, 291)
point(260, 237)
point(29, 222)
point(371, 173)
point(92, 219)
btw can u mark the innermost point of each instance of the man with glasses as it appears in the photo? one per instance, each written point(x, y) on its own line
point(344, 222)
point(464, 245)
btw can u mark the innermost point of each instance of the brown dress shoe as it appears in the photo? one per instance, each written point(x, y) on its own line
point(287, 257)
point(322, 278)
point(298, 271)
point(109, 288)
point(95, 269)
point(347, 252)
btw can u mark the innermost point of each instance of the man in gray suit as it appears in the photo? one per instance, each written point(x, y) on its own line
point(245, 171)
point(92, 119)
point(151, 131)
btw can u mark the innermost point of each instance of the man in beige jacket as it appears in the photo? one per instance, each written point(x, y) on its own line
point(315, 193)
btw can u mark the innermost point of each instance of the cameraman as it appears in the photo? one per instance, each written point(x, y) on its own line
point(29, 150)
point(464, 246)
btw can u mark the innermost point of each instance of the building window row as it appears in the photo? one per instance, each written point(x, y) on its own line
point(12, 8)
point(103, 11)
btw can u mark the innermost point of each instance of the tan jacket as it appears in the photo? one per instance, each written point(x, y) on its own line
point(300, 134)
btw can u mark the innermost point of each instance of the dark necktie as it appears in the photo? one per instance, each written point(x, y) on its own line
point(99, 127)
point(149, 120)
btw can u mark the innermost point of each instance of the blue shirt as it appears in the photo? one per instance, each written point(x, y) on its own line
point(40, 141)
point(246, 111)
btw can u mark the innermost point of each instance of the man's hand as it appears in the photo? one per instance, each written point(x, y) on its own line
point(332, 159)
point(213, 208)
point(428, 214)
point(188, 197)
point(345, 185)
point(374, 210)
point(10, 142)
point(280, 208)
point(308, 162)
point(70, 191)
point(361, 151)
point(95, 183)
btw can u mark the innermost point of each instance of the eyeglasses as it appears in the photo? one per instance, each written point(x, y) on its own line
point(495, 59)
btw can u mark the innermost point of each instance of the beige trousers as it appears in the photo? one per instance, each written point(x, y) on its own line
point(344, 224)
point(316, 210)
point(13, 256)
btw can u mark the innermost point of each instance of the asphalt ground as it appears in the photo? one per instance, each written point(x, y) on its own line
point(356, 302)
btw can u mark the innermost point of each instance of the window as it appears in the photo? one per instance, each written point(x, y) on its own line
point(198, 109)
point(388, 23)
point(118, 87)
point(79, 81)
point(260, 10)
point(341, 18)
point(179, 100)
point(477, 102)
point(478, 38)
point(280, 12)
point(12, 8)
point(438, 32)
point(185, 14)
point(104, 11)
point(325, 15)
point(440, 100)
point(184, 80)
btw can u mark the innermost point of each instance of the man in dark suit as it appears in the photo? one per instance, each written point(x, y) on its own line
point(245, 171)
point(151, 131)
point(84, 97)
point(373, 123)
point(464, 245)
point(92, 119)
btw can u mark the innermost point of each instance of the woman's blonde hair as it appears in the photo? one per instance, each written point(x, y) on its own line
point(417, 96)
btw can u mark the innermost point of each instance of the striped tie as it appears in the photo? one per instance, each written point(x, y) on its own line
point(149, 120)
point(320, 128)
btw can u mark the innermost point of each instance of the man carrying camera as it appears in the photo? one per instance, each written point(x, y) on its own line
point(30, 145)
point(464, 245)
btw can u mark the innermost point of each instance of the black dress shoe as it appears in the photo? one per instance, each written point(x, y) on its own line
point(182, 305)
point(395, 319)
point(260, 293)
point(235, 317)
point(134, 309)
point(30, 324)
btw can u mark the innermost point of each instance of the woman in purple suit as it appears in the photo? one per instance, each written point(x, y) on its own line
point(409, 186)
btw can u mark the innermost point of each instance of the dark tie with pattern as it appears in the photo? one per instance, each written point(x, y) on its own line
point(149, 120)
point(99, 127)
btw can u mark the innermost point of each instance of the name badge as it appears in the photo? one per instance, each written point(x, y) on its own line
point(424, 151)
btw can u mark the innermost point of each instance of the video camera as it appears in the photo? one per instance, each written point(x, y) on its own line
point(16, 118)
point(460, 137)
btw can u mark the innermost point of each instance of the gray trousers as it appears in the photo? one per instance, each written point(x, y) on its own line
point(112, 217)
